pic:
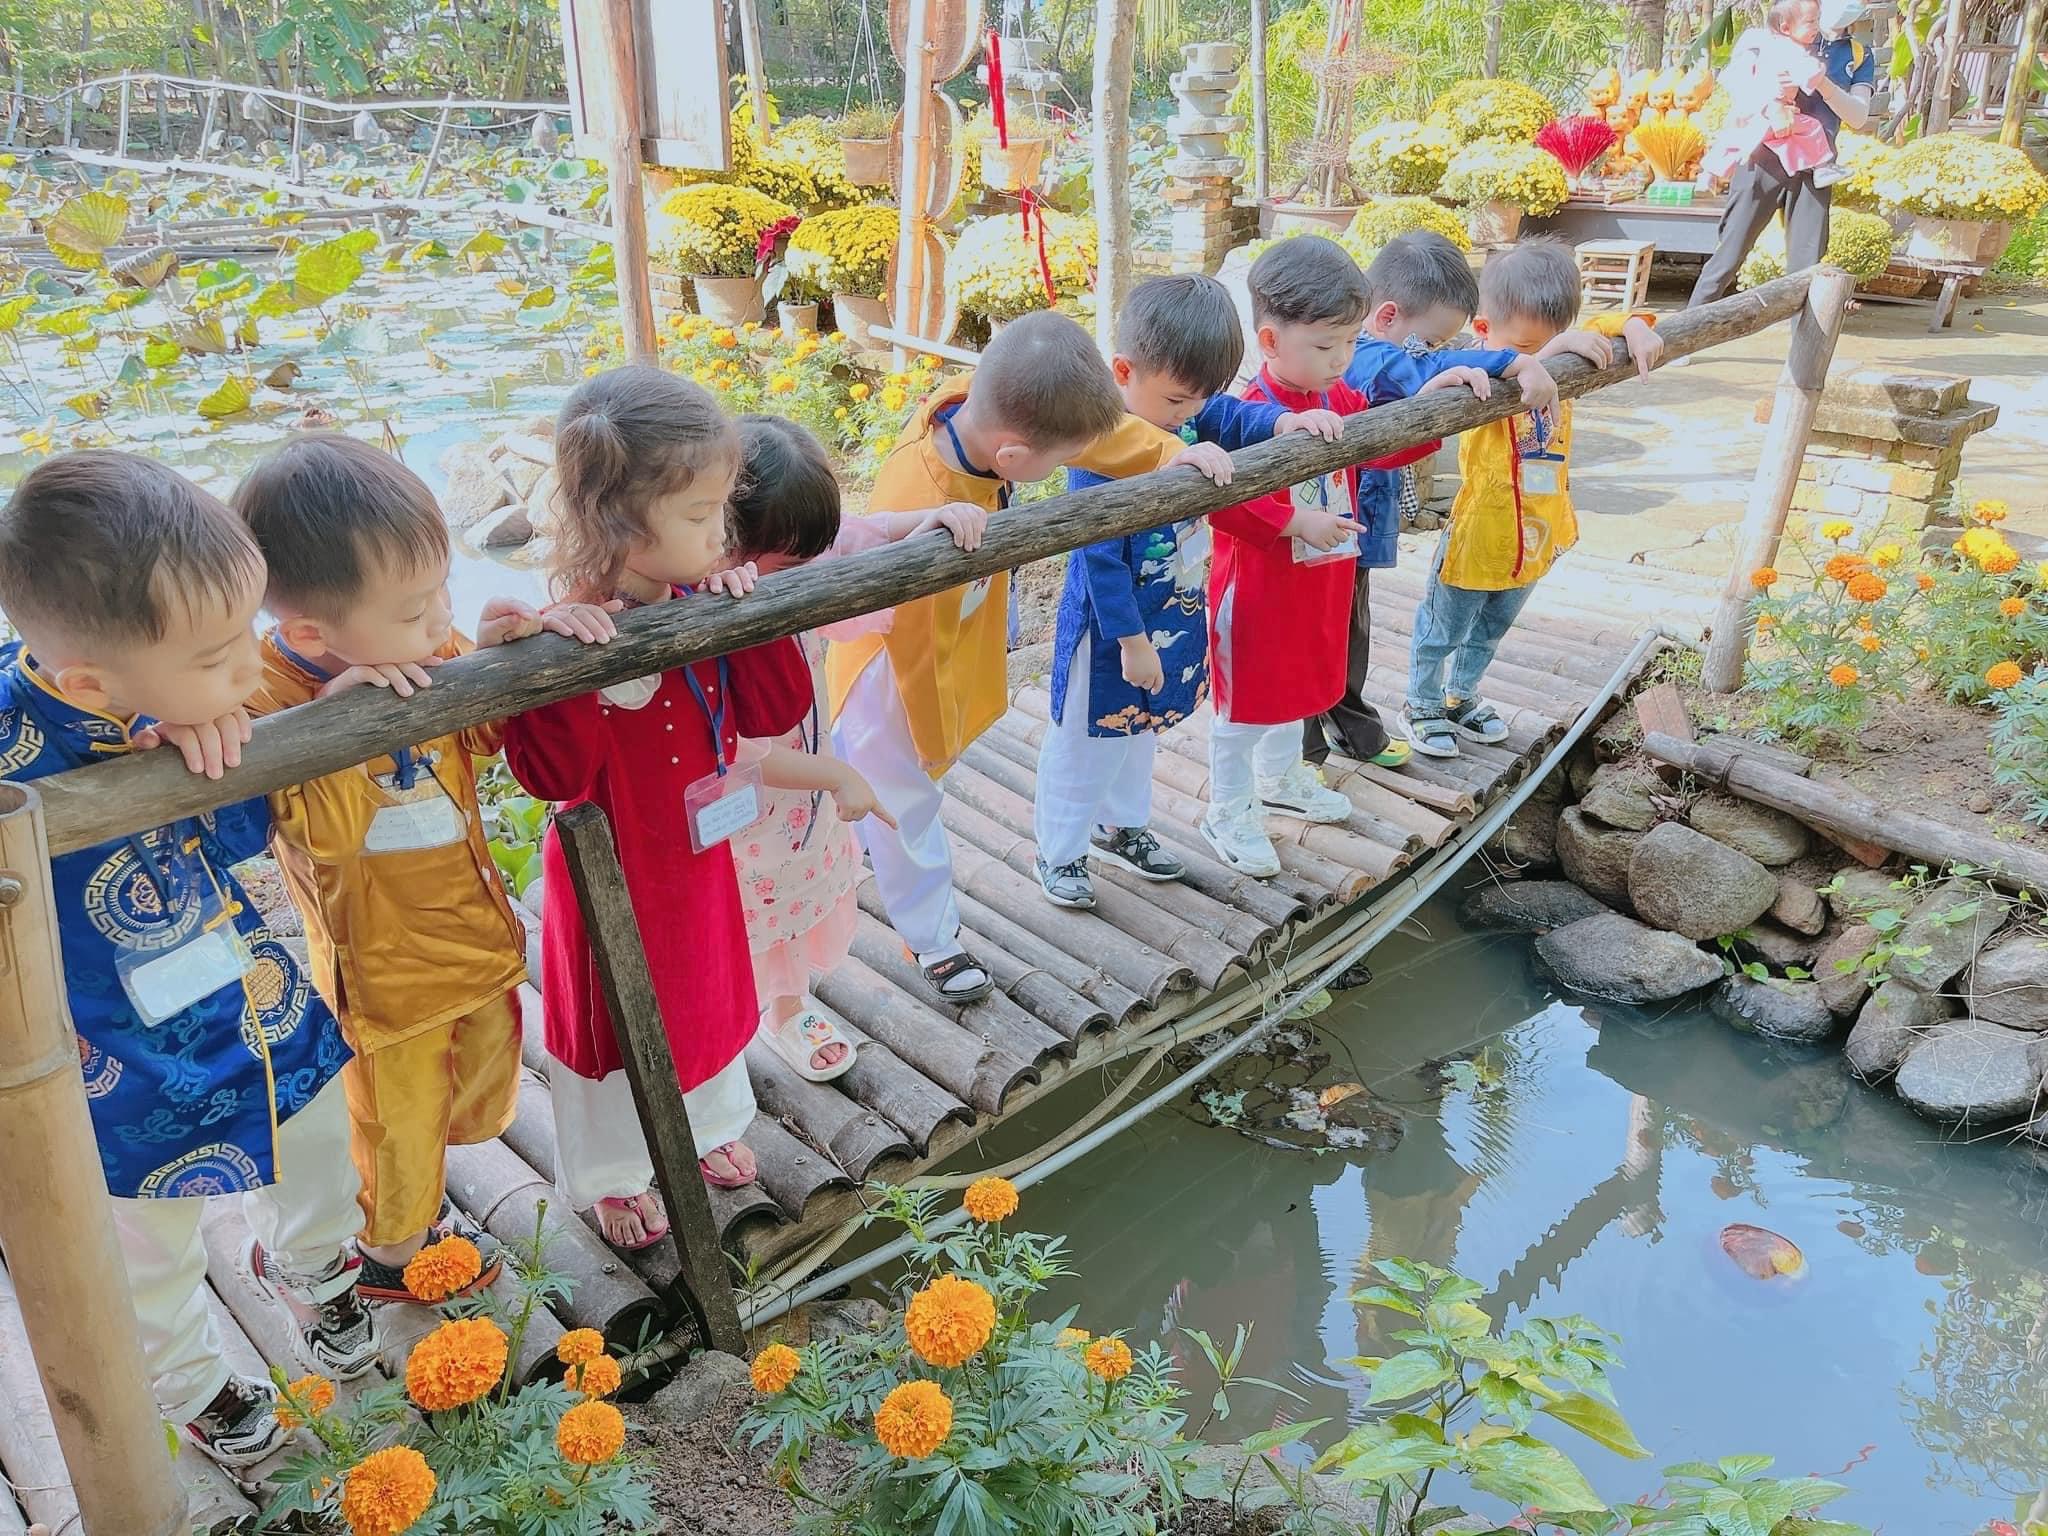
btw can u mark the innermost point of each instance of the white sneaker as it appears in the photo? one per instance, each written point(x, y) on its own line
point(1302, 792)
point(1240, 841)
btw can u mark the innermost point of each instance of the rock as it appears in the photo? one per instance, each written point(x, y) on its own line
point(1799, 906)
point(1685, 881)
point(1859, 890)
point(698, 1388)
point(521, 474)
point(541, 508)
point(1951, 922)
point(1580, 767)
point(1766, 835)
point(1526, 906)
point(1844, 989)
point(1784, 1010)
point(1970, 1072)
point(1594, 857)
point(1615, 957)
point(1529, 840)
point(1780, 946)
point(475, 489)
point(857, 1314)
point(506, 528)
point(2009, 982)
point(1981, 803)
point(1620, 796)
point(524, 445)
point(1891, 1023)
point(537, 426)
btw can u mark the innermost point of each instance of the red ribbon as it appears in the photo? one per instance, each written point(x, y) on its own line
point(1031, 204)
point(998, 107)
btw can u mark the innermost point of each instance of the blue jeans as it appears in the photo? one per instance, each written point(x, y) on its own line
point(1464, 627)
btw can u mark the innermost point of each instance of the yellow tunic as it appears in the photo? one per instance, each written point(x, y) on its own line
point(948, 650)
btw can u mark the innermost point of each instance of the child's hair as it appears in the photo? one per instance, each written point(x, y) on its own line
point(1307, 280)
point(1537, 279)
point(332, 514)
point(1043, 380)
point(786, 501)
point(1780, 16)
point(1185, 327)
point(105, 548)
point(1421, 271)
point(623, 440)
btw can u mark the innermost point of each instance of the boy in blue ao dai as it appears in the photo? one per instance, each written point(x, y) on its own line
point(1131, 640)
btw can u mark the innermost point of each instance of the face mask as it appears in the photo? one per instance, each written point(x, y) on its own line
point(1838, 16)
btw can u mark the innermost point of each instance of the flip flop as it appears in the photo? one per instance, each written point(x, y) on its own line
point(798, 1041)
point(722, 1181)
point(652, 1234)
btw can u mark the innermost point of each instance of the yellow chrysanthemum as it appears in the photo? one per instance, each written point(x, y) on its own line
point(859, 392)
point(774, 1368)
point(304, 1400)
point(590, 1433)
point(1842, 675)
point(595, 1378)
point(456, 1364)
point(893, 398)
point(991, 1199)
point(444, 1269)
point(579, 1345)
point(1837, 530)
point(2004, 674)
point(1885, 556)
point(782, 384)
point(2013, 607)
point(949, 1321)
point(1870, 643)
point(724, 337)
point(2041, 574)
point(1108, 1358)
point(839, 413)
point(1072, 1337)
point(914, 1420)
point(386, 1492)
point(1763, 578)
point(1990, 510)
point(1867, 588)
point(884, 443)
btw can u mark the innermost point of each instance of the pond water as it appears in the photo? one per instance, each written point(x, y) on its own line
point(1574, 1160)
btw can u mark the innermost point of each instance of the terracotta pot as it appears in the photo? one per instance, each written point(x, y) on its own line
point(856, 314)
point(867, 162)
point(1286, 218)
point(1958, 240)
point(1494, 223)
point(796, 319)
point(730, 300)
point(1015, 168)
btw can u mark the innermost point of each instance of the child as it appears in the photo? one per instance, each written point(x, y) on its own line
point(413, 942)
point(1422, 293)
point(1766, 72)
point(1131, 642)
point(1513, 516)
point(209, 1063)
point(1280, 588)
point(647, 463)
point(906, 704)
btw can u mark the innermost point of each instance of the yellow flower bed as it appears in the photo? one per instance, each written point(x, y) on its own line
point(1954, 176)
point(1859, 243)
point(1402, 157)
point(1494, 172)
point(845, 251)
point(1861, 158)
point(714, 229)
point(814, 144)
point(995, 269)
point(1475, 110)
point(1383, 218)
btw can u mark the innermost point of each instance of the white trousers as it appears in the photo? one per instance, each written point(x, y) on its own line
point(600, 1153)
point(913, 864)
point(307, 1219)
point(1241, 757)
point(1088, 781)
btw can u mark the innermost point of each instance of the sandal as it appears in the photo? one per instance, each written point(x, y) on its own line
point(653, 1227)
point(1395, 754)
point(733, 1180)
point(941, 973)
point(799, 1040)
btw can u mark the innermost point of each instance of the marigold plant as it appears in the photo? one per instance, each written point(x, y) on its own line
point(914, 1420)
point(456, 1364)
point(444, 1269)
point(1981, 610)
point(1070, 1338)
point(950, 1320)
point(1867, 587)
point(1763, 578)
point(1109, 1359)
point(991, 1200)
point(2019, 742)
point(579, 1345)
point(386, 1492)
point(590, 1433)
point(2002, 675)
point(304, 1400)
point(595, 1378)
point(774, 1368)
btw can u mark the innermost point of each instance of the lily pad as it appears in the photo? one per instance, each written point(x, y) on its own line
point(79, 233)
point(146, 270)
point(231, 399)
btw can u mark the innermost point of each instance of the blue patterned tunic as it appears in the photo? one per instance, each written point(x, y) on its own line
point(188, 1106)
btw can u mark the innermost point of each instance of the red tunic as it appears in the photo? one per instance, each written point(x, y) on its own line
point(635, 765)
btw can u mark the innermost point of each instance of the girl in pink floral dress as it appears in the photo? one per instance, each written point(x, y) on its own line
point(799, 867)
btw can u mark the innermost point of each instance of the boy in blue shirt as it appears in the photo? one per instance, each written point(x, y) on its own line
point(209, 1061)
point(1422, 293)
point(1131, 640)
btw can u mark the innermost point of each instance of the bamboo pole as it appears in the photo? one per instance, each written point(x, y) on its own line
point(206, 124)
point(915, 200)
point(2018, 89)
point(618, 77)
point(1777, 472)
point(1940, 103)
point(56, 1224)
point(121, 131)
point(757, 67)
point(1262, 148)
point(434, 149)
point(1116, 23)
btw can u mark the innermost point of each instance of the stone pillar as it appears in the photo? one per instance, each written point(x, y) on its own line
point(1202, 177)
point(1887, 447)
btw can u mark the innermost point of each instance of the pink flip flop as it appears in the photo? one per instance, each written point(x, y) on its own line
point(725, 1181)
point(654, 1234)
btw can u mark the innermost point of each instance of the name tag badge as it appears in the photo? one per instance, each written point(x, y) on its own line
point(1542, 474)
point(161, 984)
point(1306, 553)
point(431, 821)
point(722, 805)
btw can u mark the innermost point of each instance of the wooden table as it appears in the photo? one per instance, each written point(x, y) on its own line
point(1694, 230)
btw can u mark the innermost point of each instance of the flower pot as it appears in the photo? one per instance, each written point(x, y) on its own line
point(1958, 240)
point(730, 300)
point(1493, 223)
point(1211, 58)
point(796, 319)
point(856, 315)
point(867, 162)
point(1015, 168)
point(1283, 218)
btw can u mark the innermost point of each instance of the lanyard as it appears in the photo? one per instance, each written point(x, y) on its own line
point(713, 718)
point(405, 761)
point(945, 419)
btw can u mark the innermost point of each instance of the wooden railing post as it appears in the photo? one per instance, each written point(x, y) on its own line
point(121, 133)
point(56, 1222)
point(2019, 87)
point(1812, 349)
point(1262, 154)
point(618, 80)
point(914, 195)
point(608, 917)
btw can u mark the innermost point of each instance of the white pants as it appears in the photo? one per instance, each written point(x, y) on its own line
point(1088, 781)
point(307, 1219)
point(600, 1153)
point(1241, 757)
point(913, 864)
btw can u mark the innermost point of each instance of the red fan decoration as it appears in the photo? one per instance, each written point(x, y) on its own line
point(1577, 143)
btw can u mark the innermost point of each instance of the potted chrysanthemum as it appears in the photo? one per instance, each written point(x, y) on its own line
point(864, 133)
point(1500, 182)
point(713, 237)
point(845, 254)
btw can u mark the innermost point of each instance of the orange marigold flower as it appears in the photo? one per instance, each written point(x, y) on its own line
point(1842, 675)
point(1870, 643)
point(949, 1320)
point(2003, 675)
point(304, 1400)
point(579, 1345)
point(590, 1433)
point(1842, 567)
point(1108, 1358)
point(1763, 622)
point(2013, 607)
point(1924, 582)
point(914, 1420)
point(1868, 587)
point(991, 1199)
point(1069, 1337)
point(1763, 578)
point(443, 1269)
point(596, 1378)
point(1989, 510)
point(2000, 560)
point(386, 1492)
point(455, 1364)
point(775, 1368)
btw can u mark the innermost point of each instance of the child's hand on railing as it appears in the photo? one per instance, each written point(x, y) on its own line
point(1539, 389)
point(1327, 425)
point(591, 623)
point(1478, 380)
point(962, 519)
point(1579, 342)
point(403, 678)
point(736, 582)
point(211, 747)
point(1209, 458)
point(1645, 346)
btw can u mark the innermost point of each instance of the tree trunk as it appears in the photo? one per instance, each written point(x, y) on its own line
point(1496, 18)
point(1115, 23)
point(2014, 117)
point(1647, 22)
point(1945, 67)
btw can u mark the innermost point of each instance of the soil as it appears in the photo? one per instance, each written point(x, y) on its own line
point(707, 1484)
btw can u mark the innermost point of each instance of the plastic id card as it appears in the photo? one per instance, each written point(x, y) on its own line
point(163, 983)
point(420, 817)
point(1542, 473)
point(1315, 494)
point(722, 805)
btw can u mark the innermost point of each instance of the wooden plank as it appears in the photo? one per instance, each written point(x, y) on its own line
point(964, 1064)
point(855, 1136)
point(1661, 709)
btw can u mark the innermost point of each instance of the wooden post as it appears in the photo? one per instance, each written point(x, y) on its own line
point(1496, 18)
point(608, 918)
point(1805, 374)
point(1945, 67)
point(206, 124)
point(121, 131)
point(2016, 91)
point(70, 99)
point(1116, 22)
point(917, 89)
point(617, 79)
point(434, 149)
point(1262, 149)
point(298, 164)
point(757, 68)
point(162, 93)
point(55, 1219)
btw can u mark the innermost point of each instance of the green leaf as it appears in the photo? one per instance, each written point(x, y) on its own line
point(1596, 1421)
point(161, 353)
point(1403, 1274)
point(519, 190)
point(79, 233)
point(275, 301)
point(1284, 1434)
point(1526, 1471)
point(1412, 1372)
point(325, 271)
point(480, 247)
point(1375, 1453)
point(133, 374)
point(14, 309)
point(1735, 1468)
point(1385, 1296)
point(528, 873)
point(231, 399)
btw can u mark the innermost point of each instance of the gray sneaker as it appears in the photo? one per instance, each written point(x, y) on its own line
point(1137, 850)
point(239, 1427)
point(337, 1336)
point(1067, 885)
